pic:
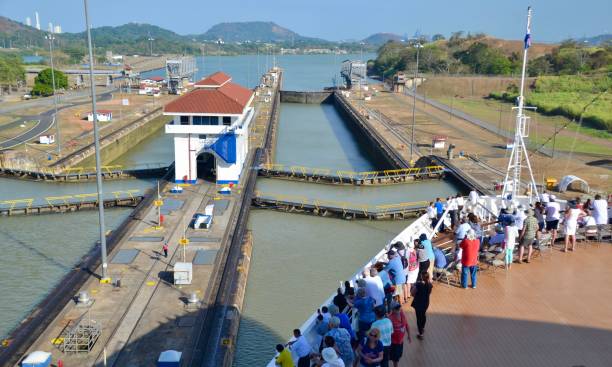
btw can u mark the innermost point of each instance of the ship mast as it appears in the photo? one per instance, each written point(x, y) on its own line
point(519, 155)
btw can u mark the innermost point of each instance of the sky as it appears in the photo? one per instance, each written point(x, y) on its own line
point(553, 20)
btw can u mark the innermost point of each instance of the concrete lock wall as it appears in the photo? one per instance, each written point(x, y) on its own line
point(120, 146)
point(305, 97)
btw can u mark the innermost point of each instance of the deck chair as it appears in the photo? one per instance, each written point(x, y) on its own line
point(590, 232)
point(449, 273)
point(494, 260)
point(543, 245)
point(604, 231)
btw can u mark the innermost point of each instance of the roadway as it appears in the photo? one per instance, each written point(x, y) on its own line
point(44, 120)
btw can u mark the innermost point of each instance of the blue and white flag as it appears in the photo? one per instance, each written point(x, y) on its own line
point(527, 40)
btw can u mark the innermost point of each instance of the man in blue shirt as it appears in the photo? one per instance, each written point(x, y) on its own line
point(440, 260)
point(440, 210)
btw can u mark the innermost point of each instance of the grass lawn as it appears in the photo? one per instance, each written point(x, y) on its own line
point(500, 114)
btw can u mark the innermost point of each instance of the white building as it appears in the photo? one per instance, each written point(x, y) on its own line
point(103, 115)
point(211, 130)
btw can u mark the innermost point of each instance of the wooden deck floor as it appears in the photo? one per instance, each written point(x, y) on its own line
point(556, 311)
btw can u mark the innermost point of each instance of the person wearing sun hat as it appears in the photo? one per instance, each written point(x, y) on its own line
point(331, 358)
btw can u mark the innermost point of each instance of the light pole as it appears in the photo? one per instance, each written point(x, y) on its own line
point(105, 278)
point(414, 93)
point(151, 39)
point(51, 38)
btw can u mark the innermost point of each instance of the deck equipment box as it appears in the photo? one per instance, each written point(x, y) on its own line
point(183, 273)
point(169, 358)
point(37, 359)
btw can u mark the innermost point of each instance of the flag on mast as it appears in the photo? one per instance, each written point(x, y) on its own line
point(528, 35)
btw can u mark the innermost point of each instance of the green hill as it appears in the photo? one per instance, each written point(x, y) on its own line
point(251, 31)
point(382, 38)
point(133, 38)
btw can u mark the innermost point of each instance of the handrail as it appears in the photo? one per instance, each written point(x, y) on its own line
point(343, 205)
point(357, 175)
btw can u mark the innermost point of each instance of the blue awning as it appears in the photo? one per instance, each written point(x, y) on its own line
point(225, 147)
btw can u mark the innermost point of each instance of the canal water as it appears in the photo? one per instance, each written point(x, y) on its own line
point(38, 251)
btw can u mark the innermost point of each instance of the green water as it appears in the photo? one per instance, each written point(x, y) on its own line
point(297, 262)
point(37, 251)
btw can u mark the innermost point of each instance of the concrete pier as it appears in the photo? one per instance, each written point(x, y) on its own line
point(142, 312)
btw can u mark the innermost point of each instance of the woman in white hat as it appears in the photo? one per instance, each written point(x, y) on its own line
point(331, 358)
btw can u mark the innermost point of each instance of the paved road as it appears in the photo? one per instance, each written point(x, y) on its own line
point(45, 121)
point(48, 101)
point(483, 124)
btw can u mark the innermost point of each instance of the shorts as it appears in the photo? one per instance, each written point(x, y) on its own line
point(399, 289)
point(541, 226)
point(526, 242)
point(552, 225)
point(395, 354)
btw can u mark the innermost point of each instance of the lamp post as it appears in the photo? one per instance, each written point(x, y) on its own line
point(414, 93)
point(151, 39)
point(105, 278)
point(50, 37)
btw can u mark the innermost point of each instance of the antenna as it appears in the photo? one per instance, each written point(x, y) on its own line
point(512, 182)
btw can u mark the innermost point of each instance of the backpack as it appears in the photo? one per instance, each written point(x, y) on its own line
point(412, 261)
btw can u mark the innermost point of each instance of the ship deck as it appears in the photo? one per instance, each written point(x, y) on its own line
point(554, 311)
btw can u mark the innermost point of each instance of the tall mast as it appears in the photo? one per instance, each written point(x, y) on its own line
point(512, 182)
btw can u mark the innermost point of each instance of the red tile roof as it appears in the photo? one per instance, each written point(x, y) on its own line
point(157, 78)
point(214, 80)
point(229, 99)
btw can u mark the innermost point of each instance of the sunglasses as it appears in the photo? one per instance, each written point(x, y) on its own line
point(374, 335)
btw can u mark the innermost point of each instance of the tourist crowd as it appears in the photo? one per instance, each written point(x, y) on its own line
point(365, 324)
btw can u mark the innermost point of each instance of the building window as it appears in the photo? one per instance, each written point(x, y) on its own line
point(184, 120)
point(197, 120)
point(205, 120)
point(202, 137)
point(227, 120)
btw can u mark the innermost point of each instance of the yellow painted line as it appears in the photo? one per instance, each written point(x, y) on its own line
point(150, 283)
point(57, 341)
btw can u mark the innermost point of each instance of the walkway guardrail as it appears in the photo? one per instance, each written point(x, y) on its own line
point(67, 203)
point(325, 175)
point(342, 209)
point(85, 173)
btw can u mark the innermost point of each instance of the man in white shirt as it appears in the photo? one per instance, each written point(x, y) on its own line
point(553, 214)
point(375, 288)
point(452, 210)
point(301, 348)
point(474, 196)
point(544, 197)
point(462, 230)
point(460, 201)
point(432, 214)
point(600, 210)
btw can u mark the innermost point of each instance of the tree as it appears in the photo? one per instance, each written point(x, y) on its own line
point(539, 66)
point(11, 70)
point(43, 83)
point(45, 77)
point(483, 59)
point(438, 37)
point(43, 90)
